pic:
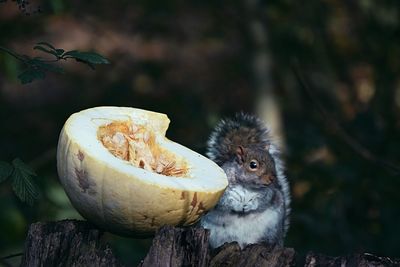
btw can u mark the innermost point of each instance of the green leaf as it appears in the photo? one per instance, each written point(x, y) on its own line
point(47, 44)
point(41, 48)
point(5, 170)
point(39, 64)
point(22, 182)
point(60, 52)
point(30, 75)
point(19, 164)
point(89, 57)
point(87, 63)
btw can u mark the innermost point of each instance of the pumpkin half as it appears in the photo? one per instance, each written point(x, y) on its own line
point(121, 172)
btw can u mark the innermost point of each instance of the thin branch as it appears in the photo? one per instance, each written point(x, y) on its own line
point(36, 67)
point(24, 59)
point(11, 256)
point(50, 60)
point(338, 129)
point(12, 53)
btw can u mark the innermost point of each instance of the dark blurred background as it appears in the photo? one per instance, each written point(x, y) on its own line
point(324, 74)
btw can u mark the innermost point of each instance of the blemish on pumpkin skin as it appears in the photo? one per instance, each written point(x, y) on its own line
point(81, 156)
point(194, 200)
point(184, 195)
point(84, 182)
point(153, 220)
point(193, 203)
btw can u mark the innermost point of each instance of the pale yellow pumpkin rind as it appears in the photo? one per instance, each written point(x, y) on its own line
point(124, 202)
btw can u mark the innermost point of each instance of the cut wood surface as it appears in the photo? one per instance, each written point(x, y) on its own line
point(78, 243)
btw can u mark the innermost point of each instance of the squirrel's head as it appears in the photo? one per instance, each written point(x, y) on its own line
point(252, 166)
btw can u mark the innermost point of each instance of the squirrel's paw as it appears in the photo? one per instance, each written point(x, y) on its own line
point(244, 207)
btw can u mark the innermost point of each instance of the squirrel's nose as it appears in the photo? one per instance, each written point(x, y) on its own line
point(266, 179)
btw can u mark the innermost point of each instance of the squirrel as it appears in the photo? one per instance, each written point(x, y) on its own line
point(255, 207)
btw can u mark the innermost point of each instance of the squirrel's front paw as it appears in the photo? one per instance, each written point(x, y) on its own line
point(247, 207)
point(244, 208)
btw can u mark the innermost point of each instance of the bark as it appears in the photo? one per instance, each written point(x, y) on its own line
point(66, 243)
point(358, 260)
point(78, 243)
point(253, 255)
point(178, 247)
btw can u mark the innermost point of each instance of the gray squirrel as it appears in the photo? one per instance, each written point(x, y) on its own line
point(255, 207)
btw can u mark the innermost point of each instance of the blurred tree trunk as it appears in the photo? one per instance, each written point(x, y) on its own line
point(267, 104)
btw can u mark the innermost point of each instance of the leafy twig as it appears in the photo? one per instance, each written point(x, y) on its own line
point(37, 67)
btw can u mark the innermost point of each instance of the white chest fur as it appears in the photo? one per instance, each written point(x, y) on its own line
point(245, 228)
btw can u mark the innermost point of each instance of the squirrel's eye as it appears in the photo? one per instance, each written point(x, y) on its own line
point(253, 164)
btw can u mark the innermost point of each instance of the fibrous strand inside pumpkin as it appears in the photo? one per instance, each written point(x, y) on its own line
point(136, 144)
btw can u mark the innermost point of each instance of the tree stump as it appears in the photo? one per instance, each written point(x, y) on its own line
point(178, 247)
point(189, 247)
point(78, 243)
point(66, 243)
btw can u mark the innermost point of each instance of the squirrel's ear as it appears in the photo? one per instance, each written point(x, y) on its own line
point(240, 154)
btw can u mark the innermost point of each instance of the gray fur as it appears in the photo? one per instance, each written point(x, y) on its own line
point(249, 211)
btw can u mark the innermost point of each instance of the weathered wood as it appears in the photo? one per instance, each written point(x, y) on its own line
point(357, 260)
point(178, 247)
point(66, 243)
point(252, 255)
point(189, 247)
point(226, 255)
point(77, 243)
